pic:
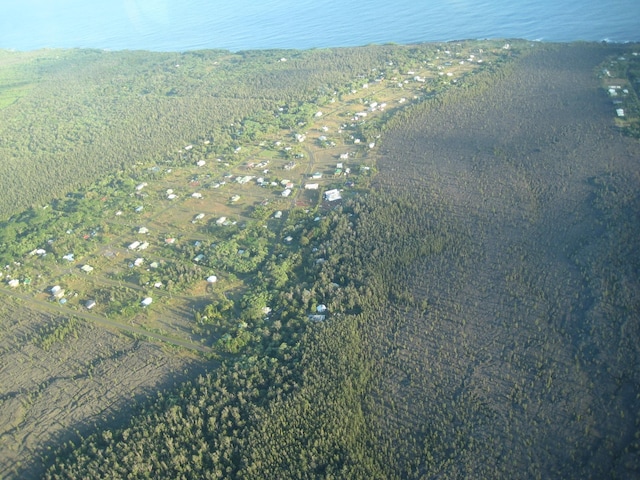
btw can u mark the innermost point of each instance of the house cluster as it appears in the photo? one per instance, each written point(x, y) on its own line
point(320, 314)
point(138, 245)
point(616, 91)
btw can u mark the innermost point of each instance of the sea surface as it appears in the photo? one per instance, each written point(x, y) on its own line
point(180, 25)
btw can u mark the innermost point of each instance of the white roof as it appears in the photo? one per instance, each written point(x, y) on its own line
point(147, 301)
point(331, 195)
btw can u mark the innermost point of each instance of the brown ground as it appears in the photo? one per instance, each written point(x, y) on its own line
point(54, 392)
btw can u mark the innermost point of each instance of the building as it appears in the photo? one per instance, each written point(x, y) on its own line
point(146, 302)
point(86, 268)
point(332, 195)
point(90, 304)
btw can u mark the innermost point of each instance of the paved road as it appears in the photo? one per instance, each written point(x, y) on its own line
point(103, 321)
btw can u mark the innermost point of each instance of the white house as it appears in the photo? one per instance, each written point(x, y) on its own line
point(332, 195)
point(146, 302)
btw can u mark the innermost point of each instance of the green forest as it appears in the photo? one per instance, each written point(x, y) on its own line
point(381, 262)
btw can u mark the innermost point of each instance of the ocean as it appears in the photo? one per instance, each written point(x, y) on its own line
point(181, 25)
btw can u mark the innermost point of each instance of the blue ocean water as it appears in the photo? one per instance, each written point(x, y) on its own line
point(179, 25)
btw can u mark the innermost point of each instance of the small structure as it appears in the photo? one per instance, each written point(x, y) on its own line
point(196, 195)
point(212, 279)
point(14, 283)
point(90, 304)
point(620, 112)
point(58, 294)
point(286, 192)
point(200, 216)
point(146, 302)
point(245, 179)
point(138, 261)
point(133, 245)
point(311, 186)
point(143, 230)
point(235, 198)
point(201, 163)
point(221, 220)
point(68, 257)
point(332, 195)
point(278, 214)
point(55, 289)
point(86, 268)
point(199, 257)
point(321, 308)
point(317, 318)
point(143, 246)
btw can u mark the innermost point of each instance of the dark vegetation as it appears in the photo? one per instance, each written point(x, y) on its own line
point(482, 308)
